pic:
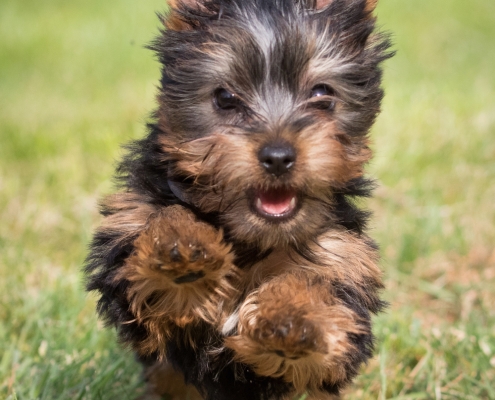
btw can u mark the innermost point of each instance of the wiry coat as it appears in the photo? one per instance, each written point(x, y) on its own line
point(187, 265)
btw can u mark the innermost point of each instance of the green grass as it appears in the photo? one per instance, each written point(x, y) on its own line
point(75, 83)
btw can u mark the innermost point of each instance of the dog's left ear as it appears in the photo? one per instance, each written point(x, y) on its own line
point(173, 19)
point(320, 4)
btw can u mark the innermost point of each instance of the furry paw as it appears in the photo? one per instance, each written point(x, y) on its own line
point(186, 250)
point(189, 261)
point(183, 249)
point(295, 329)
point(181, 271)
point(289, 333)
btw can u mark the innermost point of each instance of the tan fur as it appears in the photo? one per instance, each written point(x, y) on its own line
point(292, 327)
point(174, 21)
point(157, 301)
point(345, 257)
point(219, 163)
point(164, 380)
point(322, 4)
point(221, 160)
point(189, 3)
point(129, 214)
point(350, 260)
point(371, 5)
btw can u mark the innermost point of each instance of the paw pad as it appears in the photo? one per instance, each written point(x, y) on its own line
point(189, 278)
point(290, 336)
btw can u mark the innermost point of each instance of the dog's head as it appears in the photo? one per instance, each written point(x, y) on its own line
point(265, 106)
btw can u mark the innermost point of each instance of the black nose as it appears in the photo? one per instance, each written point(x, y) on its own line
point(277, 159)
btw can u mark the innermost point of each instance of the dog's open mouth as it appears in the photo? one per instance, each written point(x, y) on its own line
point(276, 203)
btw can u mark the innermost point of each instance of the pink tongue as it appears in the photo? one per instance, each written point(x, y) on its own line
point(276, 201)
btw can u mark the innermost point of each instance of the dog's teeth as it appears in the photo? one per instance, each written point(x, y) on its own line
point(292, 203)
point(259, 204)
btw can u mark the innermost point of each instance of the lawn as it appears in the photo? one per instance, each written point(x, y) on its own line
point(76, 83)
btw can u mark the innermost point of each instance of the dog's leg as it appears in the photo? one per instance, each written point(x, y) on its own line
point(311, 324)
point(181, 271)
point(294, 327)
point(163, 380)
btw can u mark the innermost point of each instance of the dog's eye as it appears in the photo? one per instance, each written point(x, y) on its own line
point(226, 100)
point(321, 90)
point(322, 97)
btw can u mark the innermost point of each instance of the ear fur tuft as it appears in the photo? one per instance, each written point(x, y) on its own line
point(189, 3)
point(320, 4)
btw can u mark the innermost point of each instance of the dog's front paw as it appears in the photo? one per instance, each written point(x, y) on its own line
point(181, 271)
point(184, 249)
point(293, 328)
point(288, 332)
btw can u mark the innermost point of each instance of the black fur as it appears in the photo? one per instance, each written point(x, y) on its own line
point(218, 378)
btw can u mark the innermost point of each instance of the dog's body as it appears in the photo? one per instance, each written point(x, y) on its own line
point(235, 255)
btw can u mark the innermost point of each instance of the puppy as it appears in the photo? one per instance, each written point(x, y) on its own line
point(233, 260)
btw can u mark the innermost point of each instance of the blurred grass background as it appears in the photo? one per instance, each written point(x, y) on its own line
point(76, 83)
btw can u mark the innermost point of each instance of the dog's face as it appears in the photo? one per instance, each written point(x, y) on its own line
point(265, 107)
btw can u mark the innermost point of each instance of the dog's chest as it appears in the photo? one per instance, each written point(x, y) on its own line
point(276, 263)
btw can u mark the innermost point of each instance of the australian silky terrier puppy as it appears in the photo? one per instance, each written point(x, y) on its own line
point(234, 260)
